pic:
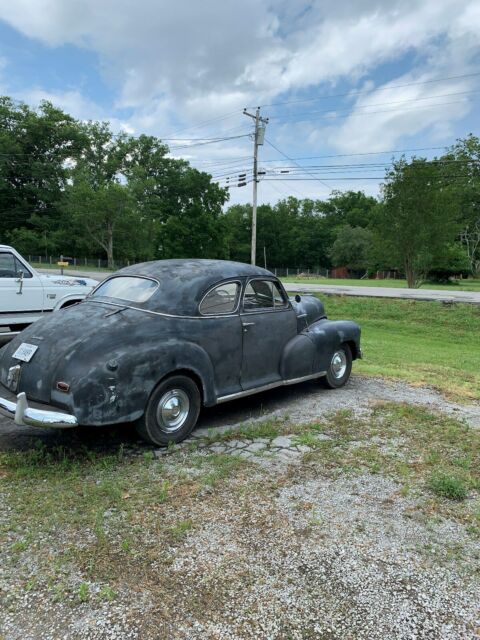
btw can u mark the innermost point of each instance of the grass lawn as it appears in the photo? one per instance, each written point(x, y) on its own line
point(425, 343)
point(461, 285)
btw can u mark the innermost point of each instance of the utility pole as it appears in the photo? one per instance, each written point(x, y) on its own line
point(259, 136)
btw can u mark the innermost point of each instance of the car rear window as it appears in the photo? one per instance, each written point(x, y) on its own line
point(129, 288)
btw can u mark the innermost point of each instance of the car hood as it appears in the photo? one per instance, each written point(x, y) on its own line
point(71, 344)
point(67, 281)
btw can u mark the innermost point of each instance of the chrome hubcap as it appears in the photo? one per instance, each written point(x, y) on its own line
point(339, 364)
point(172, 410)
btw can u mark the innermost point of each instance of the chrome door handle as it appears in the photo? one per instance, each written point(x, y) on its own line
point(245, 325)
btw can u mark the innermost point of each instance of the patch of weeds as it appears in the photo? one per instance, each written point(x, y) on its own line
point(217, 467)
point(30, 585)
point(59, 593)
point(307, 439)
point(20, 545)
point(463, 463)
point(448, 486)
point(107, 593)
point(179, 530)
point(251, 431)
point(405, 490)
point(160, 494)
point(42, 460)
point(148, 456)
point(83, 592)
point(126, 546)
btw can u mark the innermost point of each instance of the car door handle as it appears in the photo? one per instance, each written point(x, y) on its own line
point(245, 325)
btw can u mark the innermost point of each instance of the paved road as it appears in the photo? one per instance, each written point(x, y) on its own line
point(442, 295)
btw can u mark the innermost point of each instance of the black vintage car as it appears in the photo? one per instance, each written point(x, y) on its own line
point(156, 341)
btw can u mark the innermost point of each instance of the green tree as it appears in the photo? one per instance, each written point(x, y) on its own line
point(419, 217)
point(352, 248)
point(463, 160)
point(102, 213)
point(36, 149)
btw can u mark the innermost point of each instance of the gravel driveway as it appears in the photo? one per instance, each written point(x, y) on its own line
point(297, 404)
point(295, 543)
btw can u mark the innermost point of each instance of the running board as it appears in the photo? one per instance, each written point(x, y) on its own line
point(267, 387)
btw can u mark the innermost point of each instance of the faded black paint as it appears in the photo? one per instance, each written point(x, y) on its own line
point(113, 361)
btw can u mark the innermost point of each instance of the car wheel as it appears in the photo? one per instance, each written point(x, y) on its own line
point(171, 412)
point(340, 368)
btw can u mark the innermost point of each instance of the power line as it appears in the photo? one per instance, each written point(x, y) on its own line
point(356, 93)
point(361, 178)
point(333, 116)
point(379, 104)
point(364, 153)
point(298, 165)
point(204, 122)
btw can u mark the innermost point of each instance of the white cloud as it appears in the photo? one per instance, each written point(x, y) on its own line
point(178, 63)
point(220, 51)
point(411, 111)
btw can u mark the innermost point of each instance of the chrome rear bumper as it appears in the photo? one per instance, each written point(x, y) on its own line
point(24, 415)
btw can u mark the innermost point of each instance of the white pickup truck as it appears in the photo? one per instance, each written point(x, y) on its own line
point(26, 294)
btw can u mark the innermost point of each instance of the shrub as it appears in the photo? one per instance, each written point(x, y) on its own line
point(448, 486)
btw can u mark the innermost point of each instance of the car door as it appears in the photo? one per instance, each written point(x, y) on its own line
point(17, 295)
point(268, 323)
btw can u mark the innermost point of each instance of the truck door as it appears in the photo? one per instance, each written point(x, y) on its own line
point(18, 295)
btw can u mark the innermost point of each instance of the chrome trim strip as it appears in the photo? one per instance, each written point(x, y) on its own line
point(267, 387)
point(26, 416)
point(160, 313)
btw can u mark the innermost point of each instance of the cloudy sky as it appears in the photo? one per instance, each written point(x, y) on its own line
point(339, 81)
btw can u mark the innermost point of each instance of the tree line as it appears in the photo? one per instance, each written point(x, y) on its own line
point(76, 188)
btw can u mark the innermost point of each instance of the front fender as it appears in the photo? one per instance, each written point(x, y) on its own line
point(68, 300)
point(328, 335)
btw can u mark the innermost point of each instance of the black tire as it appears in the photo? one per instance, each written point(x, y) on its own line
point(340, 363)
point(159, 425)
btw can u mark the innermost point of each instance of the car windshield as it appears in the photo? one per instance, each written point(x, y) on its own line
point(129, 288)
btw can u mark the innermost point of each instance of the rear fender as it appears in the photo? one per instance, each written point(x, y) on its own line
point(105, 396)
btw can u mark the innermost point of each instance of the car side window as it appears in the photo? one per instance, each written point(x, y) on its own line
point(7, 265)
point(19, 268)
point(263, 294)
point(221, 299)
point(11, 267)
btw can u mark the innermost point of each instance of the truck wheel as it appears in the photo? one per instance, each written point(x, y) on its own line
point(171, 412)
point(340, 368)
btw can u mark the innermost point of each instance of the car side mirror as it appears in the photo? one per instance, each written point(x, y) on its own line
point(20, 282)
point(298, 298)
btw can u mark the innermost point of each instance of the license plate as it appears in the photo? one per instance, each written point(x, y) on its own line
point(25, 352)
